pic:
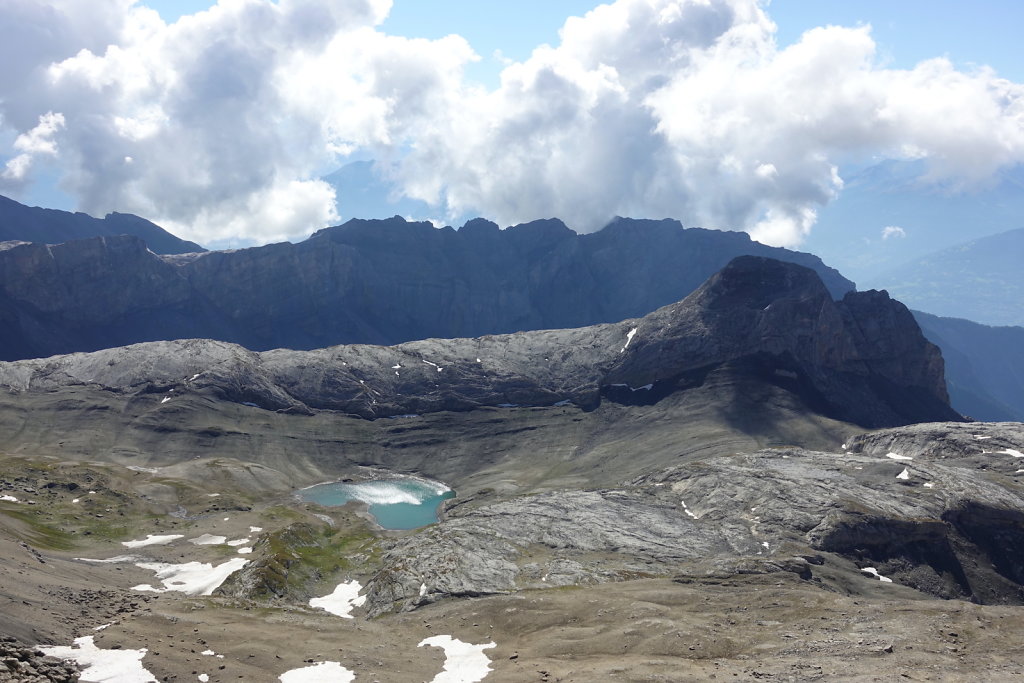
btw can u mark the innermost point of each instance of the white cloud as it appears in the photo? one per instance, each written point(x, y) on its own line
point(37, 142)
point(682, 108)
point(893, 231)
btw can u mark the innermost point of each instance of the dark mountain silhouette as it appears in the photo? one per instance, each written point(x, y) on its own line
point(376, 282)
point(50, 226)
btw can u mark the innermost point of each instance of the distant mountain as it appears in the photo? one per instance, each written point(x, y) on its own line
point(49, 226)
point(375, 282)
point(984, 366)
point(980, 281)
point(848, 233)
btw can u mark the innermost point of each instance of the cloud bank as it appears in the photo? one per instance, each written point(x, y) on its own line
point(218, 125)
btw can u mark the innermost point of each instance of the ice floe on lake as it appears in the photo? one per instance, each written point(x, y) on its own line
point(341, 602)
point(464, 662)
point(108, 666)
point(152, 539)
point(321, 672)
point(193, 578)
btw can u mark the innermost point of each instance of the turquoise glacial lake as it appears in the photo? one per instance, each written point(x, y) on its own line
point(395, 503)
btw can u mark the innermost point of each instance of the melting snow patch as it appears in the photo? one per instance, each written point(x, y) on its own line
point(979, 437)
point(110, 560)
point(396, 367)
point(321, 672)
point(342, 600)
point(165, 399)
point(1012, 451)
point(687, 510)
point(255, 529)
point(103, 627)
point(113, 666)
point(194, 578)
point(629, 338)
point(244, 551)
point(439, 368)
point(137, 468)
point(203, 678)
point(208, 539)
point(152, 539)
point(238, 541)
point(423, 589)
point(897, 456)
point(874, 572)
point(9, 499)
point(194, 377)
point(464, 663)
point(905, 474)
point(928, 485)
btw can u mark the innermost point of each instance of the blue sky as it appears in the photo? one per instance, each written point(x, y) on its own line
point(220, 128)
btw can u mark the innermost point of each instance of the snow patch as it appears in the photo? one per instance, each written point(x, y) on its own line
point(137, 468)
point(1012, 451)
point(928, 485)
point(562, 403)
point(979, 437)
point(321, 672)
point(193, 578)
point(245, 551)
point(629, 338)
point(342, 600)
point(152, 539)
point(464, 662)
point(255, 529)
point(687, 510)
point(165, 399)
point(897, 456)
point(423, 589)
point(439, 368)
point(905, 474)
point(874, 572)
point(111, 666)
point(208, 539)
point(110, 560)
point(203, 678)
point(239, 541)
point(8, 499)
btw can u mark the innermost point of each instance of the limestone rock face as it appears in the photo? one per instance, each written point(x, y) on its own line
point(377, 282)
point(775, 321)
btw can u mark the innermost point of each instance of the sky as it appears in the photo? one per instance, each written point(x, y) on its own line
point(218, 120)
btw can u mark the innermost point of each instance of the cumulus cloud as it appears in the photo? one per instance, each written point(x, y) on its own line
point(893, 231)
point(217, 125)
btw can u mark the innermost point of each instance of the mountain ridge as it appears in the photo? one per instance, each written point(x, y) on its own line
point(21, 223)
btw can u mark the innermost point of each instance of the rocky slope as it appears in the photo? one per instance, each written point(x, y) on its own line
point(380, 282)
point(861, 360)
point(20, 223)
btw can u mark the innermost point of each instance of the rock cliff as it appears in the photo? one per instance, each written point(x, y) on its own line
point(379, 282)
